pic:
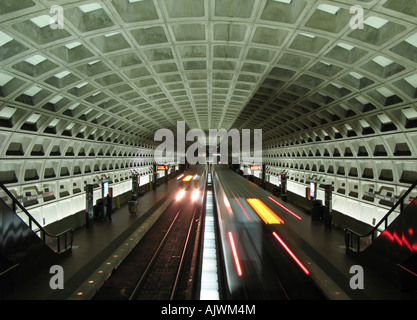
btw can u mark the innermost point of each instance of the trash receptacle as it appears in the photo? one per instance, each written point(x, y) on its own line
point(133, 206)
point(317, 210)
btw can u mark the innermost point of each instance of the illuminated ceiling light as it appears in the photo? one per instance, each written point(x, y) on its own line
point(90, 7)
point(35, 60)
point(33, 118)
point(385, 92)
point(412, 80)
point(7, 112)
point(62, 74)
point(42, 21)
point(4, 79)
point(312, 36)
point(291, 253)
point(73, 45)
point(412, 40)
point(345, 46)
point(375, 22)
point(108, 35)
point(4, 38)
point(356, 75)
point(264, 212)
point(328, 8)
point(32, 91)
point(55, 99)
point(382, 61)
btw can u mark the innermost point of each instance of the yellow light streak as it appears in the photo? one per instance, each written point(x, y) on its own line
point(264, 212)
point(187, 178)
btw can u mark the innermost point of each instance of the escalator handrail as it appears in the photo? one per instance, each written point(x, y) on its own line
point(33, 220)
point(384, 219)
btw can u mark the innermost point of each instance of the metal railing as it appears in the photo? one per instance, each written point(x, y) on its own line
point(353, 240)
point(58, 243)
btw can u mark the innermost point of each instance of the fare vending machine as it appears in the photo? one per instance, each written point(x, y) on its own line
point(328, 206)
point(89, 205)
point(284, 187)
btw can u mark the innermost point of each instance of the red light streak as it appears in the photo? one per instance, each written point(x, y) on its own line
point(242, 208)
point(286, 209)
point(407, 270)
point(393, 237)
point(234, 251)
point(291, 253)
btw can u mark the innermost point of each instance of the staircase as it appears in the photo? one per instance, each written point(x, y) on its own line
point(391, 246)
point(25, 246)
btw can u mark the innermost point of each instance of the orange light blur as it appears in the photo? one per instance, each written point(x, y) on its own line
point(263, 211)
point(187, 178)
point(234, 251)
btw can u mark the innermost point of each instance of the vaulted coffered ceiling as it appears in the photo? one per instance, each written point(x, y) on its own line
point(121, 69)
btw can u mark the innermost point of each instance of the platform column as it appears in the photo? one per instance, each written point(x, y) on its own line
point(154, 176)
point(104, 194)
point(328, 206)
point(284, 187)
point(89, 206)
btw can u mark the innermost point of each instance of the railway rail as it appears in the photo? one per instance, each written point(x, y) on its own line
point(162, 276)
point(160, 266)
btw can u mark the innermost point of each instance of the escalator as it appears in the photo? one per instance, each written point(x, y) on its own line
point(391, 246)
point(25, 246)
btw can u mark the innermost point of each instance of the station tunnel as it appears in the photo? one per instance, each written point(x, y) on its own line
point(84, 87)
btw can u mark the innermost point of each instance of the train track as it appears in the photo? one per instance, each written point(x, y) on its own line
point(159, 266)
point(162, 275)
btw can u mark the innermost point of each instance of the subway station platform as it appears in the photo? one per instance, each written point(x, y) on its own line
point(93, 247)
point(320, 249)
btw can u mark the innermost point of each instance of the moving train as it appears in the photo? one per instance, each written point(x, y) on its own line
point(258, 262)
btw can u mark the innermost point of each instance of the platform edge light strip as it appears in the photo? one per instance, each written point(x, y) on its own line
point(209, 287)
point(264, 212)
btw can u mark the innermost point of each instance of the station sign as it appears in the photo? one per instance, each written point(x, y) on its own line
point(160, 167)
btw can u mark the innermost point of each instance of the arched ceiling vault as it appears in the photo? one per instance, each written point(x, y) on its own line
point(121, 69)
